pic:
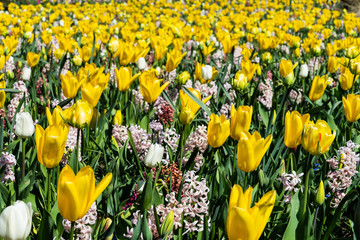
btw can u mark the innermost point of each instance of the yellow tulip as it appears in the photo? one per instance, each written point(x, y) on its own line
point(183, 77)
point(150, 86)
point(346, 78)
point(118, 118)
point(317, 138)
point(32, 59)
point(125, 78)
point(56, 117)
point(160, 50)
point(243, 222)
point(228, 44)
point(178, 43)
point(240, 120)
point(287, 71)
point(77, 193)
point(318, 87)
point(352, 107)
point(70, 84)
point(251, 149)
point(2, 93)
point(248, 68)
point(85, 53)
point(331, 49)
point(80, 114)
point(208, 49)
point(174, 57)
point(50, 144)
point(294, 126)
point(91, 93)
point(189, 107)
point(218, 130)
point(333, 64)
point(240, 81)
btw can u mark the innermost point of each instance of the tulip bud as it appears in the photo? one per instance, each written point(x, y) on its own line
point(106, 226)
point(304, 70)
point(262, 178)
point(15, 221)
point(26, 74)
point(168, 225)
point(154, 155)
point(290, 79)
point(77, 60)
point(267, 58)
point(24, 125)
point(141, 63)
point(10, 74)
point(19, 63)
point(183, 77)
point(320, 195)
point(240, 81)
point(282, 167)
point(27, 35)
point(118, 118)
point(206, 72)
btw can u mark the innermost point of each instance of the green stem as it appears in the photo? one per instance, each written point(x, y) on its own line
point(23, 159)
point(307, 175)
point(234, 160)
point(77, 151)
point(245, 181)
point(181, 146)
point(49, 190)
point(71, 237)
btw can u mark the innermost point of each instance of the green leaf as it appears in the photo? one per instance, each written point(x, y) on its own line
point(198, 101)
point(290, 232)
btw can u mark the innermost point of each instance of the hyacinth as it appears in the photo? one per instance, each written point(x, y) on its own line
point(164, 111)
point(84, 225)
point(70, 146)
point(313, 66)
point(343, 169)
point(8, 160)
point(266, 91)
point(139, 100)
point(16, 98)
point(290, 182)
point(194, 204)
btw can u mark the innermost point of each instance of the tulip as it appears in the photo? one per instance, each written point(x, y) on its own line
point(304, 70)
point(24, 125)
point(150, 86)
point(32, 58)
point(245, 222)
point(2, 94)
point(248, 68)
point(189, 107)
point(266, 57)
point(154, 155)
point(15, 221)
point(56, 117)
point(118, 118)
point(91, 93)
point(294, 126)
point(141, 63)
point(240, 120)
point(228, 44)
point(77, 193)
point(346, 78)
point(287, 71)
point(71, 84)
point(240, 81)
point(317, 138)
point(50, 144)
point(168, 225)
point(251, 149)
point(318, 87)
point(77, 60)
point(320, 194)
point(352, 52)
point(125, 78)
point(26, 74)
point(198, 73)
point(218, 130)
point(352, 107)
point(80, 114)
point(208, 49)
point(333, 64)
point(173, 60)
point(183, 77)
point(206, 72)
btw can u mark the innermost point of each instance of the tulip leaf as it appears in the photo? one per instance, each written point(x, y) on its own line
point(198, 101)
point(148, 193)
point(46, 227)
point(331, 122)
point(10, 90)
point(145, 229)
point(290, 232)
point(264, 116)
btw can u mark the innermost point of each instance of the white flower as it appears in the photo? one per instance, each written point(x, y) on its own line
point(24, 125)
point(154, 155)
point(61, 22)
point(206, 72)
point(141, 63)
point(304, 70)
point(26, 73)
point(15, 221)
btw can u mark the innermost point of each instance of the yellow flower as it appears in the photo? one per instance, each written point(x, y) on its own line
point(240, 81)
point(56, 117)
point(91, 93)
point(2, 93)
point(333, 64)
point(346, 78)
point(125, 78)
point(150, 86)
point(243, 222)
point(266, 57)
point(208, 49)
point(318, 87)
point(174, 57)
point(251, 149)
point(77, 193)
point(70, 84)
point(287, 71)
point(50, 144)
point(189, 107)
point(218, 130)
point(352, 107)
point(228, 44)
point(331, 49)
point(183, 77)
point(85, 53)
point(248, 68)
point(294, 126)
point(317, 138)
point(118, 118)
point(240, 120)
point(80, 114)
point(32, 58)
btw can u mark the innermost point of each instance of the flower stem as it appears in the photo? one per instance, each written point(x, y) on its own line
point(23, 159)
point(181, 147)
point(77, 151)
point(71, 237)
point(49, 190)
point(307, 175)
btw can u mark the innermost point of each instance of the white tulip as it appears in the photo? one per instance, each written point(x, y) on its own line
point(15, 221)
point(24, 125)
point(206, 72)
point(304, 70)
point(26, 74)
point(141, 63)
point(154, 155)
